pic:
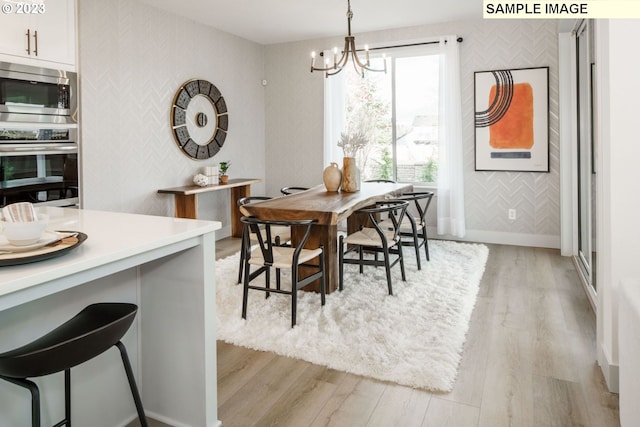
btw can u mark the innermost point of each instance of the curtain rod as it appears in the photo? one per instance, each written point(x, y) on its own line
point(459, 40)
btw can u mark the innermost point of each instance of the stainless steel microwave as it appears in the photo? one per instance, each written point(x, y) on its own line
point(37, 95)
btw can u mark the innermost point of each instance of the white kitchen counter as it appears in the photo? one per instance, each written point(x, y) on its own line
point(167, 267)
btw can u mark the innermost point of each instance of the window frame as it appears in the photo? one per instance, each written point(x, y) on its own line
point(392, 54)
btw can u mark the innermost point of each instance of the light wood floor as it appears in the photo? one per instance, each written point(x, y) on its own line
point(529, 361)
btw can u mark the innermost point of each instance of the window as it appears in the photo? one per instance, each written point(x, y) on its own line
point(398, 112)
point(414, 114)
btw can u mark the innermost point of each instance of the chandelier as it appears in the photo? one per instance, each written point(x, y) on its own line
point(349, 51)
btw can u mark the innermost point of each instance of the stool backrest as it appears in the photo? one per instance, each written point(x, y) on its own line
point(290, 190)
point(251, 199)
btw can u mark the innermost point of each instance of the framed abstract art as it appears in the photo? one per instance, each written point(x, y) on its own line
point(512, 120)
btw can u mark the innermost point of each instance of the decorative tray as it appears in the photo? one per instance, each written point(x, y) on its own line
point(52, 244)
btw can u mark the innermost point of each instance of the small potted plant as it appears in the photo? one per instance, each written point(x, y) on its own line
point(224, 167)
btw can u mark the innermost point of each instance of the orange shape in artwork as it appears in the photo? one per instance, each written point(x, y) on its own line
point(515, 129)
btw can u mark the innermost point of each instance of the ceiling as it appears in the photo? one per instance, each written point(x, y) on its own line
point(279, 21)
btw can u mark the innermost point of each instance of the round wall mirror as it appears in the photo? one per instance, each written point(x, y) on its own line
point(199, 119)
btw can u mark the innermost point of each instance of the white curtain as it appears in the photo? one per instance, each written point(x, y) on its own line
point(450, 167)
point(334, 116)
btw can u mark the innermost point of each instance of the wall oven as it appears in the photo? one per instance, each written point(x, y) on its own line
point(38, 136)
point(39, 165)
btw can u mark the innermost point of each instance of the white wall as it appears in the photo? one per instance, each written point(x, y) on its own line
point(618, 229)
point(132, 59)
point(294, 123)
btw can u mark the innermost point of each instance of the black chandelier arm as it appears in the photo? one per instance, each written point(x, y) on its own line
point(345, 56)
point(356, 60)
point(359, 71)
point(329, 73)
point(349, 49)
point(336, 64)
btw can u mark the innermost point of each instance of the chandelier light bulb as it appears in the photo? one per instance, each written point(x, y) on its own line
point(348, 53)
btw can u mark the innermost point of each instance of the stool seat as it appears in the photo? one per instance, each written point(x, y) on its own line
point(91, 332)
point(94, 330)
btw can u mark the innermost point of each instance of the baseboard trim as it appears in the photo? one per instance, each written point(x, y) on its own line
point(169, 421)
point(224, 232)
point(504, 238)
point(481, 236)
point(610, 371)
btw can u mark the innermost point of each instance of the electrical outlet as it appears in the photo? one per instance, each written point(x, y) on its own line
point(512, 214)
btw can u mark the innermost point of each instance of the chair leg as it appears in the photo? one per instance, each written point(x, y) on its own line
point(267, 278)
point(361, 257)
point(132, 384)
point(401, 257)
point(242, 248)
point(35, 397)
point(323, 279)
point(245, 291)
point(294, 294)
point(387, 270)
point(67, 396)
point(241, 263)
point(426, 241)
point(340, 262)
point(417, 248)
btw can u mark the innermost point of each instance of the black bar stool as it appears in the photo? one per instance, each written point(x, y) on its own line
point(91, 332)
point(292, 190)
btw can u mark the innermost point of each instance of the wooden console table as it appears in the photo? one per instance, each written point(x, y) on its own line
point(186, 199)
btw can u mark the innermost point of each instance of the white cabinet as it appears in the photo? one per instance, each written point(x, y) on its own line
point(46, 38)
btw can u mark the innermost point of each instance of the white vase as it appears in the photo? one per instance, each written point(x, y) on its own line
point(332, 177)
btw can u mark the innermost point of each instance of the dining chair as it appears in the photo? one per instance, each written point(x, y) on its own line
point(267, 255)
point(414, 227)
point(281, 235)
point(290, 190)
point(377, 237)
point(91, 332)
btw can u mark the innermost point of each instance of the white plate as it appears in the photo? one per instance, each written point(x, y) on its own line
point(47, 238)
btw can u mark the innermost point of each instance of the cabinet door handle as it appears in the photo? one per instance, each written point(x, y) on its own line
point(35, 37)
point(28, 34)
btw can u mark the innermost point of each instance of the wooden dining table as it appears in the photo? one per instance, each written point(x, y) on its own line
point(328, 208)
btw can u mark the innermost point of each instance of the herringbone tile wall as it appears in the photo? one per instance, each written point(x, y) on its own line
point(294, 117)
point(133, 58)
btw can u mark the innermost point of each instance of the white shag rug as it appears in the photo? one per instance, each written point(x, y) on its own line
point(414, 338)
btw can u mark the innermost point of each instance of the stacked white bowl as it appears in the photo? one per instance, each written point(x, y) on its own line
point(21, 225)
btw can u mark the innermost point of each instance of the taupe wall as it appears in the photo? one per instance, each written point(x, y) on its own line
point(133, 57)
point(294, 123)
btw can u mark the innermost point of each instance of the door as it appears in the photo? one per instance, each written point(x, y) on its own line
point(585, 69)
